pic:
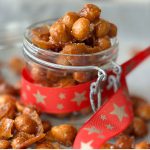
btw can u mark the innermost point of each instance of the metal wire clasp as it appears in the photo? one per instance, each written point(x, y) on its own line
point(114, 80)
point(95, 89)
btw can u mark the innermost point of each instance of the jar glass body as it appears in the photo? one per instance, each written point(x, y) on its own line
point(52, 69)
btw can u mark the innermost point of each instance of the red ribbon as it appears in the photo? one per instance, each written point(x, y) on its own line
point(114, 116)
point(109, 120)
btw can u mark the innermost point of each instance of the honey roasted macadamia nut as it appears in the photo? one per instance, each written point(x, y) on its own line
point(41, 32)
point(44, 145)
point(65, 82)
point(82, 77)
point(60, 33)
point(102, 28)
point(17, 64)
point(143, 111)
point(6, 128)
point(142, 145)
point(75, 48)
point(108, 146)
point(24, 123)
point(112, 31)
point(81, 29)
point(4, 144)
point(90, 11)
point(7, 106)
point(104, 42)
point(69, 19)
point(140, 128)
point(124, 142)
point(64, 134)
point(38, 73)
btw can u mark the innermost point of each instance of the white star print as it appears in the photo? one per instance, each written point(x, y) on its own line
point(92, 130)
point(109, 126)
point(103, 117)
point(28, 88)
point(62, 96)
point(60, 106)
point(86, 146)
point(79, 98)
point(119, 111)
point(39, 98)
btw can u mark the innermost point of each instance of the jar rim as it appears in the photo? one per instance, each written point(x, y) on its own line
point(29, 43)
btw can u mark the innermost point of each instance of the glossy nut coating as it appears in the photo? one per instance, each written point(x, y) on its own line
point(139, 127)
point(124, 142)
point(102, 28)
point(59, 32)
point(143, 111)
point(64, 134)
point(24, 123)
point(81, 29)
point(69, 19)
point(90, 11)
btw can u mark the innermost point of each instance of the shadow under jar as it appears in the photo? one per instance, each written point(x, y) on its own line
point(53, 69)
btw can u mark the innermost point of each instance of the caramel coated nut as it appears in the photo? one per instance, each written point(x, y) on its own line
point(38, 74)
point(41, 32)
point(59, 32)
point(34, 116)
point(69, 19)
point(81, 29)
point(139, 127)
point(124, 142)
point(102, 28)
point(6, 88)
point(40, 43)
point(137, 101)
point(17, 64)
point(24, 123)
point(104, 43)
point(143, 111)
point(112, 31)
point(25, 141)
point(90, 11)
point(108, 146)
point(75, 49)
point(64, 134)
point(142, 145)
point(6, 128)
point(4, 144)
point(82, 77)
point(44, 145)
point(65, 82)
point(7, 106)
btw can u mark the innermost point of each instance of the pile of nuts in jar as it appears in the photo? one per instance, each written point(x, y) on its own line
point(73, 34)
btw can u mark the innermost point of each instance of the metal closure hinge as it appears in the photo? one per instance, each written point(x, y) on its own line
point(95, 89)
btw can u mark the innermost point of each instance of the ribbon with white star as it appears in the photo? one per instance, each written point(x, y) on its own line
point(72, 99)
point(54, 100)
point(110, 119)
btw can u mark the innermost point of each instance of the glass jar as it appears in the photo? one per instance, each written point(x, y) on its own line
point(56, 70)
